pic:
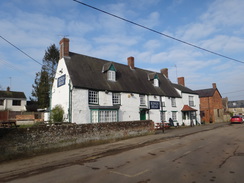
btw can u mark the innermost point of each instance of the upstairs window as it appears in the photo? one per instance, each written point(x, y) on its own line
point(111, 75)
point(93, 97)
point(191, 101)
point(155, 82)
point(110, 70)
point(116, 98)
point(153, 77)
point(173, 102)
point(142, 100)
point(16, 102)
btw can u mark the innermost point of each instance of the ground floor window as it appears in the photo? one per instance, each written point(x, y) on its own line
point(1, 101)
point(104, 116)
point(163, 115)
point(174, 116)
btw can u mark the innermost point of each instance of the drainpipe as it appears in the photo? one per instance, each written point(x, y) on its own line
point(50, 103)
point(70, 103)
point(148, 106)
point(161, 105)
point(209, 113)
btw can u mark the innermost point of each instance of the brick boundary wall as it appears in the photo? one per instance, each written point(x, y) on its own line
point(25, 142)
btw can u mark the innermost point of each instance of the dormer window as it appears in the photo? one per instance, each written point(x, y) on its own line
point(153, 77)
point(155, 82)
point(111, 75)
point(110, 70)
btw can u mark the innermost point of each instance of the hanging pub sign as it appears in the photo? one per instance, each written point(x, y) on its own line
point(154, 104)
point(61, 80)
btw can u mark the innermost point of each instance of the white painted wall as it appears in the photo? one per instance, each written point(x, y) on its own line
point(8, 105)
point(60, 95)
point(185, 101)
point(80, 107)
point(129, 108)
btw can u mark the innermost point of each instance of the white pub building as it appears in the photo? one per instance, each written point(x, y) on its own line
point(93, 90)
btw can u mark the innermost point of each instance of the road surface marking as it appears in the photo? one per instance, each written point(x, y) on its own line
point(127, 175)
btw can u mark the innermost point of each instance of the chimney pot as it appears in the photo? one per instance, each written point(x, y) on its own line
point(181, 81)
point(164, 72)
point(64, 48)
point(131, 62)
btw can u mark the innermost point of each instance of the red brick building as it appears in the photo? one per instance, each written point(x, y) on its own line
point(211, 106)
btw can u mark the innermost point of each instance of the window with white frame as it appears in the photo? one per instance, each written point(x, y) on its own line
point(173, 102)
point(116, 98)
point(191, 101)
point(94, 116)
point(174, 116)
point(111, 75)
point(156, 82)
point(16, 102)
point(142, 100)
point(93, 97)
point(104, 116)
point(163, 115)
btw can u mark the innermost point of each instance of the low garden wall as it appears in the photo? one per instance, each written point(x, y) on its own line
point(22, 142)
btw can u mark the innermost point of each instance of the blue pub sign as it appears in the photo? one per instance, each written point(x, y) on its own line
point(154, 105)
point(61, 80)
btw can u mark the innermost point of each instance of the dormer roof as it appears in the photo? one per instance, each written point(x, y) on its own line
point(108, 66)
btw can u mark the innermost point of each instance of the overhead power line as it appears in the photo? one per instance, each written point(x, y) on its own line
point(233, 92)
point(21, 51)
point(155, 31)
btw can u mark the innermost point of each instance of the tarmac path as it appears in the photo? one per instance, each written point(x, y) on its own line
point(16, 170)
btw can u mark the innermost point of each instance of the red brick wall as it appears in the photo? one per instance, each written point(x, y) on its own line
point(208, 104)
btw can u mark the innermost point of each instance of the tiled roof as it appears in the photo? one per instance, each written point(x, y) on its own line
point(86, 72)
point(12, 94)
point(236, 104)
point(206, 92)
point(187, 108)
point(185, 89)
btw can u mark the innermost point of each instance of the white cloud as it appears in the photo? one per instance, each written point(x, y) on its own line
point(151, 20)
point(225, 13)
point(116, 39)
point(224, 43)
point(152, 44)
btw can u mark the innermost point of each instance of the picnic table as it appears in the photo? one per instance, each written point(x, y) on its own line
point(8, 124)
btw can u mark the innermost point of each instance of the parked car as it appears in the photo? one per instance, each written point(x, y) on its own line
point(236, 119)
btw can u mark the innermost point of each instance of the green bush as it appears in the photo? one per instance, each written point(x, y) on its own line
point(57, 114)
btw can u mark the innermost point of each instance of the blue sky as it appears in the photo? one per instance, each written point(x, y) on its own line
point(216, 25)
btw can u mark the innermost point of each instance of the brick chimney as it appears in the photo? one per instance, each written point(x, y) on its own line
point(131, 62)
point(164, 72)
point(214, 85)
point(64, 48)
point(181, 81)
point(8, 88)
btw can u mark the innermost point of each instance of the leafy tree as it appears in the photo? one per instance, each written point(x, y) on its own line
point(50, 61)
point(44, 78)
point(57, 114)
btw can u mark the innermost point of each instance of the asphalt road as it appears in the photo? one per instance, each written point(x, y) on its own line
point(208, 153)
